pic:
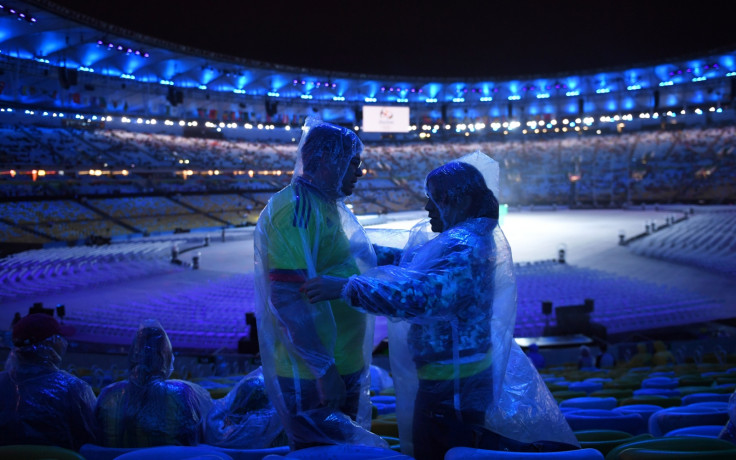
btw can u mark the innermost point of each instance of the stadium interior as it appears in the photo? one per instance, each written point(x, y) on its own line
point(133, 170)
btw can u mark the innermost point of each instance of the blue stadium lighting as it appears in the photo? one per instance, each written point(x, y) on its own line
point(572, 93)
point(21, 15)
point(430, 100)
point(86, 69)
point(371, 99)
point(543, 96)
point(127, 76)
point(731, 74)
point(122, 48)
point(42, 60)
point(338, 98)
point(458, 99)
point(306, 96)
point(402, 99)
point(699, 79)
point(603, 91)
point(273, 94)
point(486, 99)
point(203, 87)
point(514, 97)
point(166, 82)
point(666, 83)
point(633, 87)
point(239, 91)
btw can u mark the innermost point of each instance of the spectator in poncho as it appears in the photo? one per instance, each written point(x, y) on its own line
point(245, 418)
point(149, 409)
point(460, 378)
point(729, 431)
point(39, 402)
point(315, 357)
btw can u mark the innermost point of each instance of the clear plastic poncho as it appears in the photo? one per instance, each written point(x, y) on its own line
point(306, 230)
point(453, 301)
point(41, 404)
point(245, 418)
point(148, 409)
point(729, 431)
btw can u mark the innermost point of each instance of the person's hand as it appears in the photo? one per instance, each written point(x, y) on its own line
point(331, 389)
point(323, 288)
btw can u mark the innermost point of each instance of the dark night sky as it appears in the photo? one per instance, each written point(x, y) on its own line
point(424, 38)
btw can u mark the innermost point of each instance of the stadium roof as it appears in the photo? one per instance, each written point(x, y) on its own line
point(470, 39)
point(48, 33)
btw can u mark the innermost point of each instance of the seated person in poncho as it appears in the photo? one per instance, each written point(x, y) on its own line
point(39, 402)
point(149, 409)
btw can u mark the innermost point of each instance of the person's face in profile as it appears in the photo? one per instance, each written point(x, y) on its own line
point(433, 212)
point(434, 216)
point(355, 170)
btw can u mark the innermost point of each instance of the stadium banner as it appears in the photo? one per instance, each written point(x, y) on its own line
point(385, 119)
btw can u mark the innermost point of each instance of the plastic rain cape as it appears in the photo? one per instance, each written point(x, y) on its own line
point(306, 230)
point(453, 304)
point(42, 404)
point(149, 409)
point(245, 418)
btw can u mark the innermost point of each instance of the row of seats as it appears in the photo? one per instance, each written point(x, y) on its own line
point(706, 240)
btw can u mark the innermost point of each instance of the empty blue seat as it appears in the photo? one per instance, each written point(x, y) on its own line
point(645, 410)
point(669, 383)
point(704, 431)
point(587, 387)
point(666, 420)
point(657, 391)
point(344, 451)
point(468, 453)
point(590, 402)
point(704, 397)
point(600, 419)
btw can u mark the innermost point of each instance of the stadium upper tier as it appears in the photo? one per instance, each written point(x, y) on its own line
point(60, 183)
point(56, 58)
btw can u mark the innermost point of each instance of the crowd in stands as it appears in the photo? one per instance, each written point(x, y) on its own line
point(693, 165)
point(688, 165)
